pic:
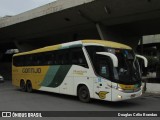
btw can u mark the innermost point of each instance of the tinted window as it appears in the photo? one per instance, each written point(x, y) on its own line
point(62, 57)
point(78, 57)
point(58, 57)
point(103, 66)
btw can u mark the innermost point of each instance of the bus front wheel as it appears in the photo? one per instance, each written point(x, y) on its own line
point(22, 86)
point(29, 86)
point(83, 94)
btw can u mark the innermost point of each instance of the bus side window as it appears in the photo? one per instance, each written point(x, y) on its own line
point(53, 58)
point(39, 59)
point(66, 57)
point(21, 59)
point(28, 60)
point(17, 61)
point(102, 66)
point(78, 58)
point(34, 61)
point(48, 58)
point(62, 57)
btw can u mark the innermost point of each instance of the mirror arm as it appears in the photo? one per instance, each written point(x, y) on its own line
point(112, 56)
point(144, 59)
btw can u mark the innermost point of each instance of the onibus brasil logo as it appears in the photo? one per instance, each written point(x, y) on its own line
point(20, 114)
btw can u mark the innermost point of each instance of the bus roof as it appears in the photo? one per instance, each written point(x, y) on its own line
point(106, 43)
point(77, 43)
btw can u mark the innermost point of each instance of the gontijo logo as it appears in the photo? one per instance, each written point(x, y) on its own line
point(31, 70)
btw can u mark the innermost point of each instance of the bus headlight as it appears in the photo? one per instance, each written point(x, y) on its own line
point(117, 88)
point(120, 89)
point(119, 96)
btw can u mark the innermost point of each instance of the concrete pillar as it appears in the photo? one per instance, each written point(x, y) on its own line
point(158, 67)
point(101, 31)
point(141, 44)
point(121, 36)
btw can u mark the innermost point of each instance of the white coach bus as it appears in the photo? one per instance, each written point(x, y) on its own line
point(88, 69)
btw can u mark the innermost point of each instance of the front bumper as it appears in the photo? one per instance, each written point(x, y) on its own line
point(120, 96)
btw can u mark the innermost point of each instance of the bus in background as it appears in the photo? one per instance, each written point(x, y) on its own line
point(88, 69)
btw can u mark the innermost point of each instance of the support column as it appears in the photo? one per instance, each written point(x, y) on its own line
point(158, 67)
point(141, 44)
point(117, 35)
point(100, 31)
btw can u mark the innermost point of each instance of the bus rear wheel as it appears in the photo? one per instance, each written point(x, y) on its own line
point(83, 94)
point(29, 87)
point(22, 86)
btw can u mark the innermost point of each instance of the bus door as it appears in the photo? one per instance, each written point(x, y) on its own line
point(102, 82)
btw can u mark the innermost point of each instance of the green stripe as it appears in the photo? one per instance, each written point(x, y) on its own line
point(55, 75)
point(52, 71)
point(60, 76)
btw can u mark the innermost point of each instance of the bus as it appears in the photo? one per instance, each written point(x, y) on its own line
point(89, 69)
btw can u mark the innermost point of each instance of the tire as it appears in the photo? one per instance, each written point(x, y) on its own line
point(22, 86)
point(83, 94)
point(29, 87)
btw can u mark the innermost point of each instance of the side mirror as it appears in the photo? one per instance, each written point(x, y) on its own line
point(112, 56)
point(144, 59)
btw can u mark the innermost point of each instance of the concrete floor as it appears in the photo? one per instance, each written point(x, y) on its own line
point(12, 99)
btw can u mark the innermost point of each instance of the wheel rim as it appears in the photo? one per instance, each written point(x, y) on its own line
point(84, 94)
point(23, 85)
point(29, 87)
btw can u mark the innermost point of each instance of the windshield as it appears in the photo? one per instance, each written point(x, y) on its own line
point(128, 68)
point(127, 71)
